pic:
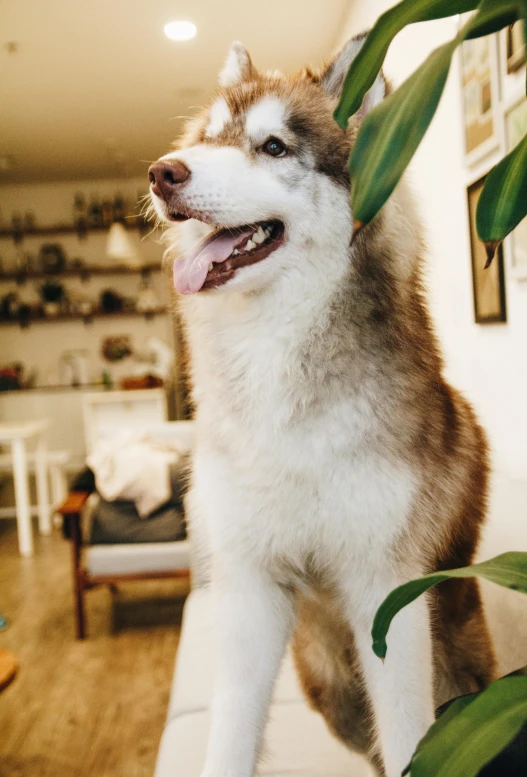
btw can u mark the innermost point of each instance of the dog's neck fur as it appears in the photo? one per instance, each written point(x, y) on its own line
point(269, 356)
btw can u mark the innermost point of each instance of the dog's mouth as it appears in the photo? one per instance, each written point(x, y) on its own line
point(217, 258)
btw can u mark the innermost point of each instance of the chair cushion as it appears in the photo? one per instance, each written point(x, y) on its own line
point(137, 558)
point(119, 522)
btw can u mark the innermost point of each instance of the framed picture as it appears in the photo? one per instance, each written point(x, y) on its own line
point(488, 285)
point(480, 91)
point(515, 47)
point(515, 130)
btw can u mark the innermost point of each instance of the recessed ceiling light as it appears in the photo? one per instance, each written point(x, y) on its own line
point(180, 30)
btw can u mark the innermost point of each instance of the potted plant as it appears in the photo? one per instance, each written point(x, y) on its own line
point(484, 733)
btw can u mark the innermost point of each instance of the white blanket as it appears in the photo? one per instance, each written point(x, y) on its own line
point(135, 467)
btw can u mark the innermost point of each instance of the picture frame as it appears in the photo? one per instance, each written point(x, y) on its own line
point(512, 81)
point(480, 91)
point(515, 47)
point(488, 285)
point(515, 130)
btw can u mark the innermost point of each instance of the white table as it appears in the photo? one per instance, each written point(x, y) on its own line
point(17, 435)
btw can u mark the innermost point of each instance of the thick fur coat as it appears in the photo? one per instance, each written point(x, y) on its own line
point(333, 460)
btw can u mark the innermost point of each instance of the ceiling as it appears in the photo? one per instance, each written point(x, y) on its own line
point(94, 89)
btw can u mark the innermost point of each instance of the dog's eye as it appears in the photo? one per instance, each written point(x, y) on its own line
point(274, 147)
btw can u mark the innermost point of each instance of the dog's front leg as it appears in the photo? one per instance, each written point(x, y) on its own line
point(254, 620)
point(401, 687)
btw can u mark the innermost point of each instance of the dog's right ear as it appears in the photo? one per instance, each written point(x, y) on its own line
point(238, 66)
point(332, 77)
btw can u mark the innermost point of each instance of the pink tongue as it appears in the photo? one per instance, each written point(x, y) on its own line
point(190, 271)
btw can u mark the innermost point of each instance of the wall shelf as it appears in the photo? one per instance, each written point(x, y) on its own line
point(82, 272)
point(36, 317)
point(68, 229)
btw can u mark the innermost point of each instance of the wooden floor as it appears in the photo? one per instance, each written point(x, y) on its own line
point(82, 709)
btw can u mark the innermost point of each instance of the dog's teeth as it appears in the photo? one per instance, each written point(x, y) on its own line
point(249, 246)
point(210, 266)
point(259, 236)
point(235, 252)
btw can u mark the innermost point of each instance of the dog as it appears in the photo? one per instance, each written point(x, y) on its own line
point(334, 462)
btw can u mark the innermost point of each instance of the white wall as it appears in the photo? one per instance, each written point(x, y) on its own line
point(41, 345)
point(488, 362)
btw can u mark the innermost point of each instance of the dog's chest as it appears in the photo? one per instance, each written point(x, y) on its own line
point(294, 473)
point(297, 494)
point(303, 501)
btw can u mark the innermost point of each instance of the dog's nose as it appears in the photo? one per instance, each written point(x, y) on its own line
point(166, 176)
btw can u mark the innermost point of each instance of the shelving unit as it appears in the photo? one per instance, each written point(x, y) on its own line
point(82, 272)
point(37, 317)
point(67, 229)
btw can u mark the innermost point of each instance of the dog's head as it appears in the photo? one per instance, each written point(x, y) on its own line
point(261, 176)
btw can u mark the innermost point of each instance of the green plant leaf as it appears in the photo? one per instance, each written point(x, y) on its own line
point(503, 201)
point(509, 570)
point(525, 35)
point(391, 133)
point(492, 16)
point(368, 62)
point(453, 710)
point(472, 731)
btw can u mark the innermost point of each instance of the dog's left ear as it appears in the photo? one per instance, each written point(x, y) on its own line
point(238, 66)
point(332, 77)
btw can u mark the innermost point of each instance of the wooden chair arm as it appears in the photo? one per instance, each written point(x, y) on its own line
point(73, 503)
point(71, 510)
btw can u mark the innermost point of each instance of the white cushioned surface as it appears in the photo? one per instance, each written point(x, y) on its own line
point(137, 558)
point(297, 745)
point(196, 661)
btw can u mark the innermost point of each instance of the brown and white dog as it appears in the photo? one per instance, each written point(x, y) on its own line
point(333, 460)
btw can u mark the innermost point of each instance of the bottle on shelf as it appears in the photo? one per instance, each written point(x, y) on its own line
point(119, 209)
point(80, 214)
point(95, 212)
